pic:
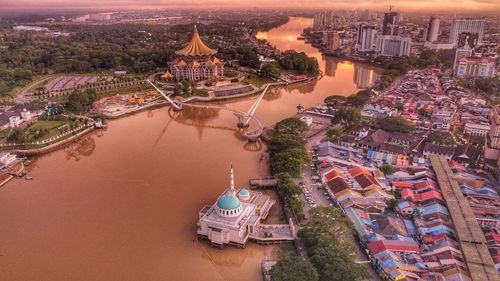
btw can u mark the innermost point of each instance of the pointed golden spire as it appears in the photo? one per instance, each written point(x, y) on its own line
point(196, 47)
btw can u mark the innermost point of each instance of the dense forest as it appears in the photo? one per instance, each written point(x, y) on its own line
point(136, 48)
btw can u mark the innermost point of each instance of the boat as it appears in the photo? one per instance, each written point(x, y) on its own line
point(28, 178)
point(300, 38)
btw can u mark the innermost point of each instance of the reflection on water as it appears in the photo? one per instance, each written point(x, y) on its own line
point(122, 204)
point(339, 75)
point(84, 148)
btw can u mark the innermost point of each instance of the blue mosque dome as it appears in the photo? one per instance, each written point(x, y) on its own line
point(228, 202)
point(244, 192)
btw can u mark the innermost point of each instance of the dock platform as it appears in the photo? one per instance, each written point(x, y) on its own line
point(266, 182)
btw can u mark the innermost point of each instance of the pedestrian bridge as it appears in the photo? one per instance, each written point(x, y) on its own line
point(243, 117)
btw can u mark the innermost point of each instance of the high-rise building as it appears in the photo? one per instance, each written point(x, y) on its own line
point(365, 15)
point(392, 46)
point(391, 24)
point(432, 31)
point(323, 20)
point(332, 41)
point(366, 38)
point(472, 25)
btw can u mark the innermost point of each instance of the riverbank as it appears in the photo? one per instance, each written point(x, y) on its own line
point(54, 146)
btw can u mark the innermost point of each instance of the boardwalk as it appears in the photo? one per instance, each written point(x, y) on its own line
point(469, 234)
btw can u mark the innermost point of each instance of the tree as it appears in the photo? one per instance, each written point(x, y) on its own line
point(360, 98)
point(333, 134)
point(293, 268)
point(270, 70)
point(347, 117)
point(423, 112)
point(285, 141)
point(441, 138)
point(290, 125)
point(334, 100)
point(288, 161)
point(387, 169)
point(395, 124)
point(286, 186)
point(327, 239)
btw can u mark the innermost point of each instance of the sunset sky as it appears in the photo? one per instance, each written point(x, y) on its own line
point(408, 5)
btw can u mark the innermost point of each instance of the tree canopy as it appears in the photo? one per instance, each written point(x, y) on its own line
point(290, 125)
point(348, 117)
point(293, 268)
point(326, 238)
point(395, 124)
point(299, 62)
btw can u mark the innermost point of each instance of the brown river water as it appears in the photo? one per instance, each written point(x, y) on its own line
point(122, 204)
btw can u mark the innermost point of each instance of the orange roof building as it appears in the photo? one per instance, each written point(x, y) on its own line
point(196, 61)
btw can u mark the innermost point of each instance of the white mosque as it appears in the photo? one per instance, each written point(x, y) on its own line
point(236, 218)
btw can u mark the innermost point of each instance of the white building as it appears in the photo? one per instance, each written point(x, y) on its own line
point(100, 17)
point(307, 119)
point(30, 28)
point(475, 66)
point(7, 159)
point(236, 218)
point(466, 25)
point(14, 121)
point(366, 38)
point(439, 46)
point(474, 129)
point(392, 46)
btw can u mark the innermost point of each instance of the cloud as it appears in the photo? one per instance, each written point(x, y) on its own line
point(310, 4)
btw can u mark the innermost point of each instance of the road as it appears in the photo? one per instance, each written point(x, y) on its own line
point(321, 198)
point(22, 97)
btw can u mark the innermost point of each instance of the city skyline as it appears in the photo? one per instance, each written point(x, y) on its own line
point(469, 6)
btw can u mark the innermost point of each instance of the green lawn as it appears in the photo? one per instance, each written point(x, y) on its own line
point(257, 80)
point(51, 126)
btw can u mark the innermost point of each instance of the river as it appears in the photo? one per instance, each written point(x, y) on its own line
point(122, 204)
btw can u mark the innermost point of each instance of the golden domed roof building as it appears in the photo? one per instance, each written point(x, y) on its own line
point(196, 61)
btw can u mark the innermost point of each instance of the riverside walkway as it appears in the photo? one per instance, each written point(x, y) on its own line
point(470, 236)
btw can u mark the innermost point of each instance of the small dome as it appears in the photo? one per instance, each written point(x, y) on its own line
point(228, 202)
point(244, 192)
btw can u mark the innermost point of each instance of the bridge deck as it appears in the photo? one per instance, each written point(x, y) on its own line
point(471, 238)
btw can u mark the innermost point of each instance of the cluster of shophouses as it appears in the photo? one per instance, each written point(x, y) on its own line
point(402, 219)
point(433, 103)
